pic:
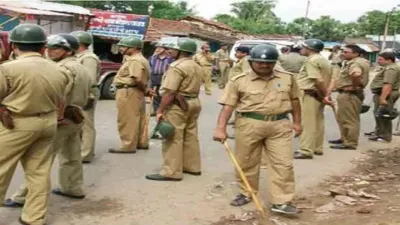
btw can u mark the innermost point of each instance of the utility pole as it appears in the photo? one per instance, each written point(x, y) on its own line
point(388, 15)
point(305, 19)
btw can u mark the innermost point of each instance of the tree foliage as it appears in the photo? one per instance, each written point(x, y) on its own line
point(257, 17)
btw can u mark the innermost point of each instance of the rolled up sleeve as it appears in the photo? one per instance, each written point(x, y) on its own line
point(136, 69)
point(172, 80)
point(3, 85)
point(389, 76)
point(91, 65)
point(355, 70)
point(295, 90)
point(230, 96)
point(313, 70)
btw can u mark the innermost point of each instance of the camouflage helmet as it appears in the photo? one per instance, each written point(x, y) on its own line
point(164, 128)
point(83, 37)
point(28, 34)
point(130, 42)
point(314, 44)
point(263, 53)
point(184, 45)
point(64, 41)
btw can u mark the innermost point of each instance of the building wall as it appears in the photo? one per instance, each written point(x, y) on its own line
point(55, 26)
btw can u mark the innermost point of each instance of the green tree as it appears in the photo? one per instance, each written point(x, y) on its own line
point(299, 26)
point(326, 28)
point(372, 22)
point(254, 17)
point(162, 9)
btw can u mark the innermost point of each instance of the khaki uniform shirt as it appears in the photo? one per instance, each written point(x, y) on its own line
point(356, 65)
point(389, 74)
point(203, 60)
point(249, 92)
point(90, 60)
point(78, 94)
point(241, 66)
point(335, 57)
point(292, 62)
point(183, 77)
point(136, 68)
point(222, 56)
point(316, 67)
point(32, 84)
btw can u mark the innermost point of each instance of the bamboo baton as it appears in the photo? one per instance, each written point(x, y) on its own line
point(246, 182)
point(145, 132)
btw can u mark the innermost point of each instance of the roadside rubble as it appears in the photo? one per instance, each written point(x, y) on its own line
point(369, 193)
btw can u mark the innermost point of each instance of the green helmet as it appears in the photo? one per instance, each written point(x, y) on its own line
point(263, 53)
point(131, 42)
point(184, 45)
point(83, 37)
point(28, 34)
point(64, 41)
point(386, 114)
point(164, 128)
point(314, 44)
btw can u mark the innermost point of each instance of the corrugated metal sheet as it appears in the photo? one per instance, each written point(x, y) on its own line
point(47, 6)
point(368, 47)
point(33, 11)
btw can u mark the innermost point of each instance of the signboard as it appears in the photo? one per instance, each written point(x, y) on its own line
point(118, 25)
point(7, 23)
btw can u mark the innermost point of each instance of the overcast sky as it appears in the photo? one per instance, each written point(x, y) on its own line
point(287, 10)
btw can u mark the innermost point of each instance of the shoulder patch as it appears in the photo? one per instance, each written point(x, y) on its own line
point(281, 70)
point(238, 76)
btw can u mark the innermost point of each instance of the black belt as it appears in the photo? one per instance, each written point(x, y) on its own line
point(258, 116)
point(124, 86)
point(314, 94)
point(95, 86)
point(354, 92)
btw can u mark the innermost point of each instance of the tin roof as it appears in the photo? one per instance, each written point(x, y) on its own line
point(46, 6)
point(33, 11)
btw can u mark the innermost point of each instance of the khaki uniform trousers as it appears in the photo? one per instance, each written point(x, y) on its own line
point(131, 115)
point(67, 144)
point(207, 79)
point(224, 70)
point(312, 121)
point(384, 128)
point(89, 131)
point(30, 143)
point(181, 152)
point(275, 138)
point(349, 106)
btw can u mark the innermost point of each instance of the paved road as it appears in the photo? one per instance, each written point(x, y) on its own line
point(118, 194)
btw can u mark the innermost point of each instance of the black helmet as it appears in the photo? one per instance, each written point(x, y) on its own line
point(28, 34)
point(243, 49)
point(263, 53)
point(383, 113)
point(364, 108)
point(314, 44)
point(67, 41)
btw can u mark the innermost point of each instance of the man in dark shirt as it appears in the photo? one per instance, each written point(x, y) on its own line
point(159, 63)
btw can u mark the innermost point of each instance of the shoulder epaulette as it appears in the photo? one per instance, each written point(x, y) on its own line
point(281, 70)
point(238, 76)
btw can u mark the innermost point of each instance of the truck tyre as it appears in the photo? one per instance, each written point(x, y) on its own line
point(107, 89)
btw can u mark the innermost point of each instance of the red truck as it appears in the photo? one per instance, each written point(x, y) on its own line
point(107, 72)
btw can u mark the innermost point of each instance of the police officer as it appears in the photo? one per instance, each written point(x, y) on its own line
point(223, 64)
point(204, 59)
point(263, 97)
point(292, 61)
point(29, 117)
point(131, 82)
point(61, 49)
point(92, 64)
point(350, 83)
point(313, 80)
point(385, 87)
point(336, 60)
point(241, 65)
point(181, 107)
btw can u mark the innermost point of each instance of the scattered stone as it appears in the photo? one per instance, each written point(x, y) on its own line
point(367, 195)
point(382, 173)
point(353, 193)
point(368, 200)
point(337, 191)
point(304, 206)
point(326, 208)
point(364, 210)
point(325, 193)
point(242, 217)
point(345, 199)
point(391, 176)
point(383, 191)
point(363, 183)
point(277, 222)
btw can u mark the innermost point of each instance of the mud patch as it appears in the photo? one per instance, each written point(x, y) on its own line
point(88, 207)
